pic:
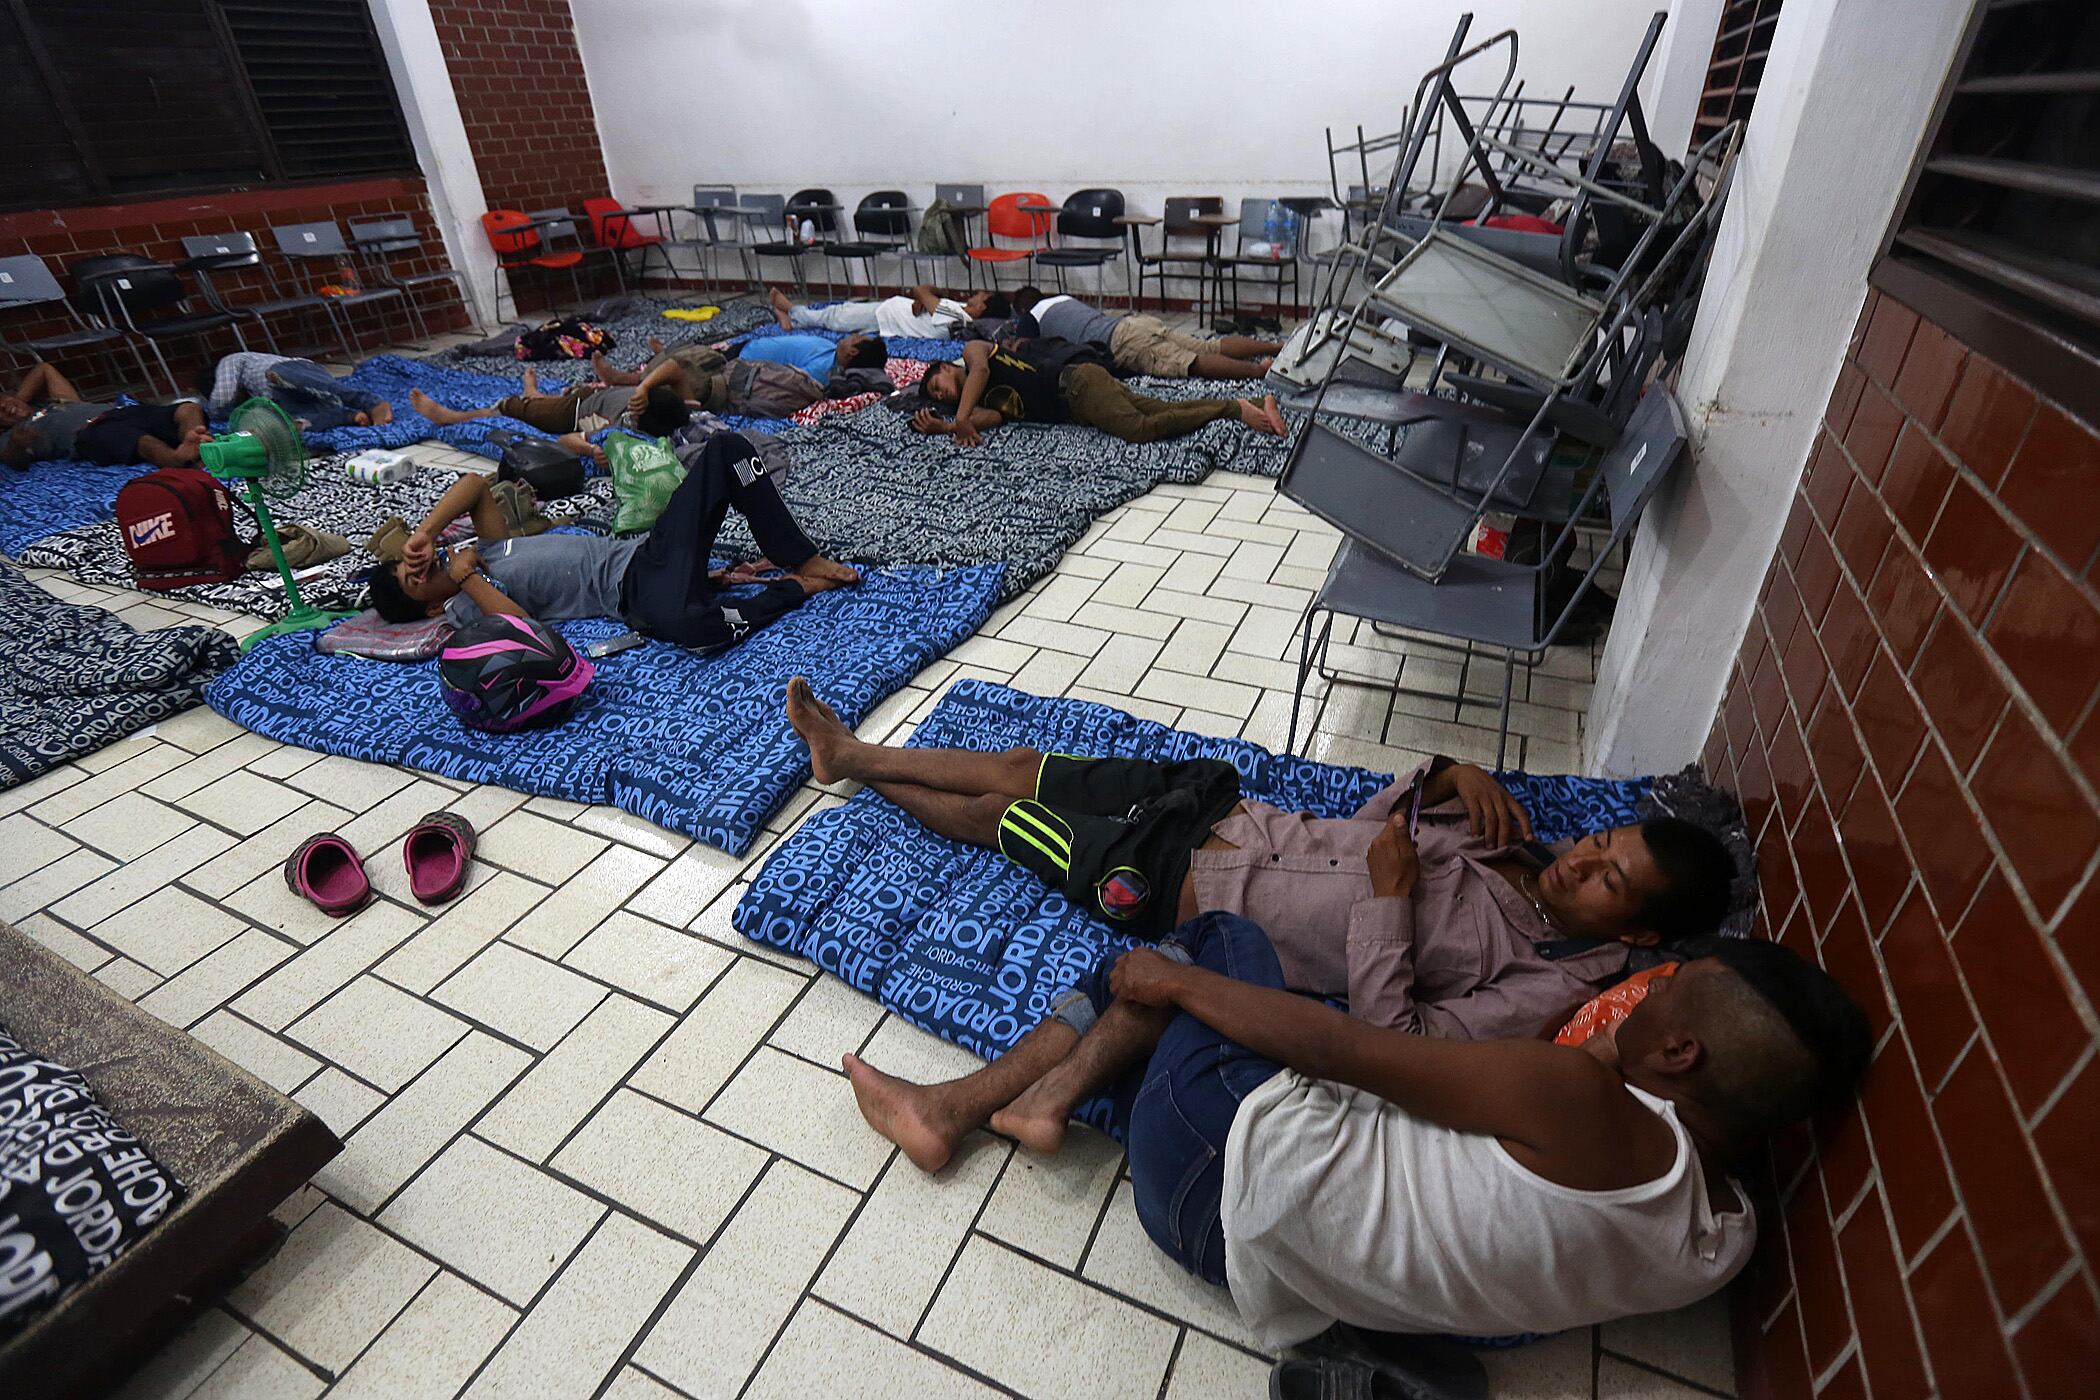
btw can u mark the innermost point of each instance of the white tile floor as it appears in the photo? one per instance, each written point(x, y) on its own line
point(598, 1144)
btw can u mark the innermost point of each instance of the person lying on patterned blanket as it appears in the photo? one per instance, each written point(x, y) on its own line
point(921, 314)
point(1323, 1170)
point(574, 414)
point(46, 420)
point(1144, 344)
point(778, 381)
point(1055, 381)
point(1430, 910)
point(317, 399)
point(658, 583)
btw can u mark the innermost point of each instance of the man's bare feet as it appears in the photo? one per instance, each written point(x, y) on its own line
point(656, 346)
point(1036, 1120)
point(827, 572)
point(531, 379)
point(605, 369)
point(1263, 417)
point(905, 1113)
point(382, 414)
point(433, 410)
point(819, 727)
point(781, 307)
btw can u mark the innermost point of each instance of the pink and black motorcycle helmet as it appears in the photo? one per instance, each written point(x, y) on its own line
point(505, 673)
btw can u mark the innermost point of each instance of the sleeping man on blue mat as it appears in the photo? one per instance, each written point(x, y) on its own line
point(659, 583)
point(1475, 1179)
point(1431, 909)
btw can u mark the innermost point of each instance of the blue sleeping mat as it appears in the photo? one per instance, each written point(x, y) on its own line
point(964, 943)
point(49, 498)
point(697, 744)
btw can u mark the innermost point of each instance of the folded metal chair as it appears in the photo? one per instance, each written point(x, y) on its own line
point(1485, 602)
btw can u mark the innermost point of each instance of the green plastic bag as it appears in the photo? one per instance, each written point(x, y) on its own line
point(645, 471)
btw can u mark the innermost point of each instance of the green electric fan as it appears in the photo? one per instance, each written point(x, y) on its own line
point(263, 452)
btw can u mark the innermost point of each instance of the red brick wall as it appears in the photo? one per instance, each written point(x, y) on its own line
point(519, 79)
point(155, 229)
point(1911, 728)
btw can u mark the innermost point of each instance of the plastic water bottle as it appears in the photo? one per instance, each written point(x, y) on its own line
point(809, 231)
point(1289, 245)
point(1272, 229)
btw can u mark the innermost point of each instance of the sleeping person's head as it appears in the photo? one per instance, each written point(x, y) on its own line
point(402, 593)
point(943, 382)
point(1026, 298)
point(1749, 1034)
point(863, 352)
point(980, 304)
point(1661, 880)
point(664, 414)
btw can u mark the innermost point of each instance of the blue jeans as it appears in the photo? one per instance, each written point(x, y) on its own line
point(1174, 1113)
point(305, 390)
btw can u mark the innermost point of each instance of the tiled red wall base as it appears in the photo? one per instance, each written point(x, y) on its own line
point(156, 228)
point(1911, 726)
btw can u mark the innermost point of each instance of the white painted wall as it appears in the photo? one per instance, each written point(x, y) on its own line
point(409, 36)
point(1154, 97)
point(1839, 116)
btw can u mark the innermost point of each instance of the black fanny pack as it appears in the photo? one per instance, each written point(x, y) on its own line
point(550, 469)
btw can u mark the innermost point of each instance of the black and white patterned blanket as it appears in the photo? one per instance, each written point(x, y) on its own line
point(328, 501)
point(75, 678)
point(870, 490)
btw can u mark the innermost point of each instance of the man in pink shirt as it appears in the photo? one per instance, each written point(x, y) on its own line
point(1496, 935)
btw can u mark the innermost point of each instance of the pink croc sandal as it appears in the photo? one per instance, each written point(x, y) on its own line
point(326, 872)
point(437, 853)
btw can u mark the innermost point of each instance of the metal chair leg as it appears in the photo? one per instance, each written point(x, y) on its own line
point(1509, 676)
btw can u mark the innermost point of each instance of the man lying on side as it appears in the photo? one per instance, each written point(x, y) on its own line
point(922, 313)
point(1494, 934)
point(301, 388)
point(658, 582)
point(1056, 381)
point(1145, 344)
point(1326, 1170)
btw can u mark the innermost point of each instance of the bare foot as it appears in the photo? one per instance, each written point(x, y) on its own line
point(433, 410)
point(196, 435)
point(1263, 417)
point(656, 347)
point(382, 414)
point(903, 1113)
point(1034, 1120)
point(781, 307)
point(819, 727)
point(830, 573)
point(605, 369)
point(531, 378)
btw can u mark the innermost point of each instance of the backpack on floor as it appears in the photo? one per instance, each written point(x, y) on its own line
point(550, 469)
point(176, 523)
point(563, 338)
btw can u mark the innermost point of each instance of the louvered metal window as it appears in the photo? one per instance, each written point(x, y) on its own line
point(1737, 67)
point(1998, 236)
point(121, 99)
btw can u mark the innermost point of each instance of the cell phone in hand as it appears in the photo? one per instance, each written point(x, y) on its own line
point(1414, 805)
point(626, 641)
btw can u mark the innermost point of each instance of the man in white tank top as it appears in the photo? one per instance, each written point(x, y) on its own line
point(1328, 1170)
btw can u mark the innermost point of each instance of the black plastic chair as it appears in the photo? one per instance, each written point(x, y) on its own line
point(1090, 213)
point(319, 254)
point(1281, 258)
point(149, 300)
point(883, 223)
point(380, 241)
point(210, 253)
point(1179, 222)
point(26, 281)
point(819, 207)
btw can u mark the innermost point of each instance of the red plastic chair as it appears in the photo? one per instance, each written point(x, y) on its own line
point(517, 246)
point(1005, 219)
point(613, 229)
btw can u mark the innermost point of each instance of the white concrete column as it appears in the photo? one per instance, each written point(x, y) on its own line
point(409, 36)
point(1677, 74)
point(1839, 116)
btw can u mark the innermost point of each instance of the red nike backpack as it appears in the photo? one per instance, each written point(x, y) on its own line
point(176, 523)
